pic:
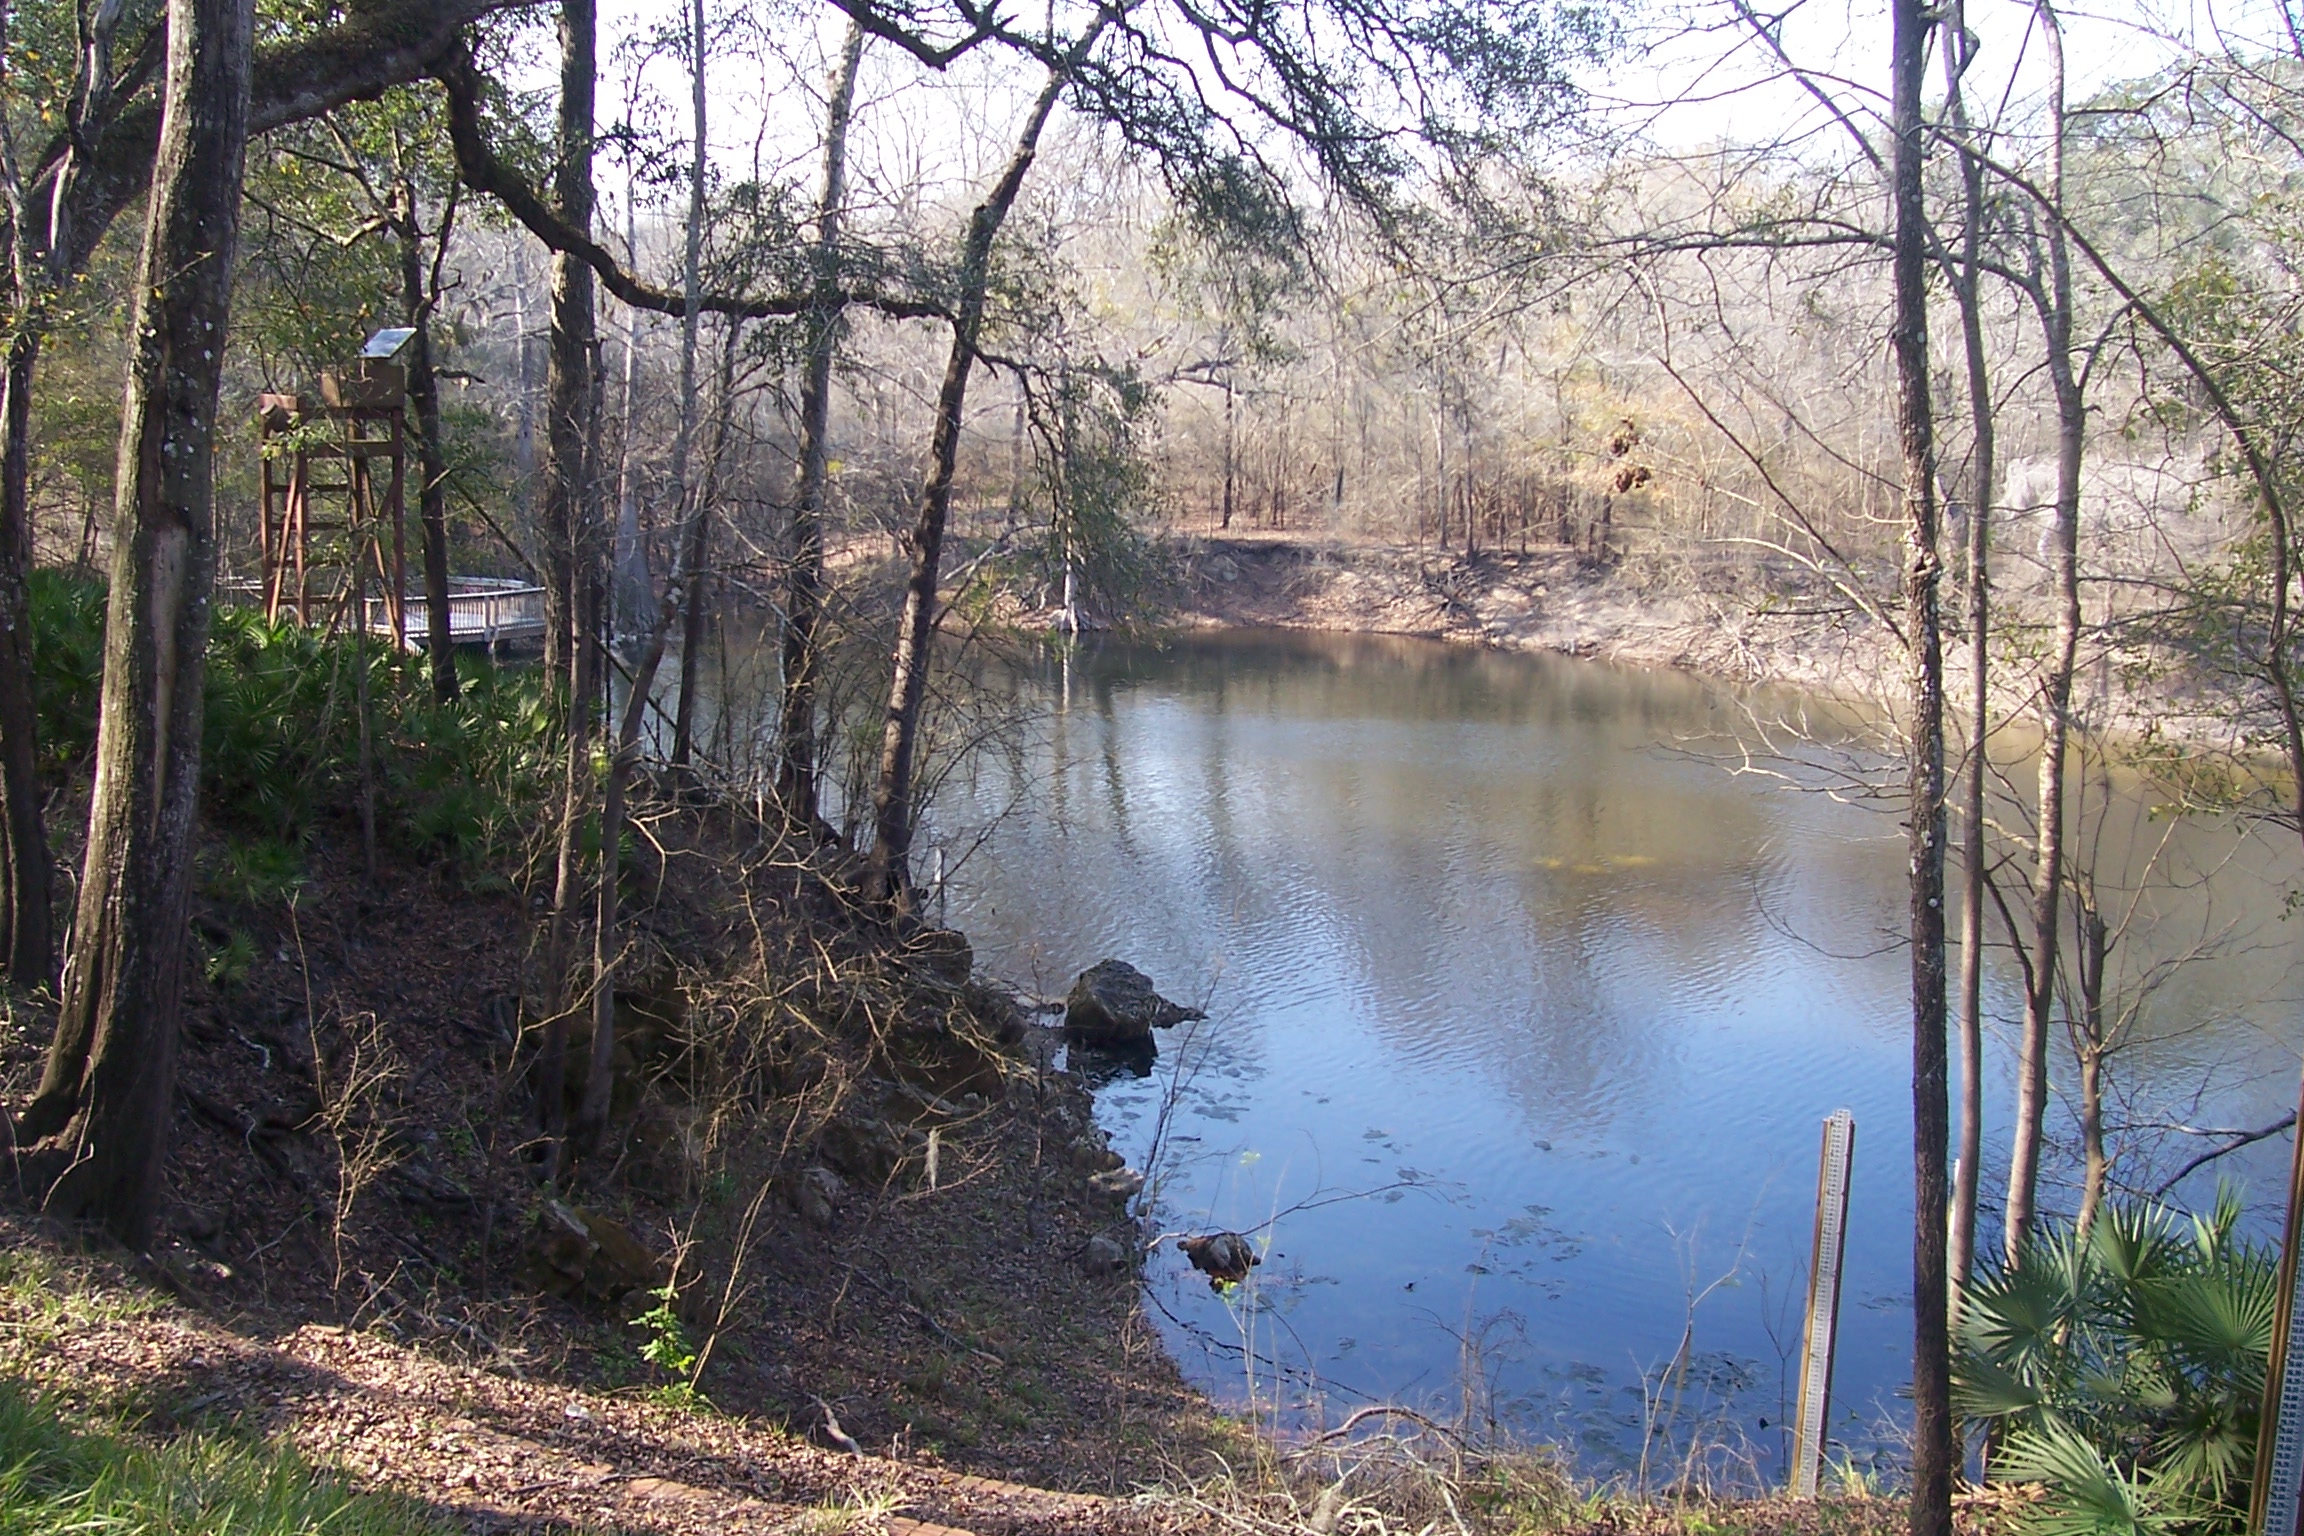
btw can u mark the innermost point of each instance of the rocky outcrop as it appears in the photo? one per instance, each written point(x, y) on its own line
point(574, 1252)
point(1114, 1003)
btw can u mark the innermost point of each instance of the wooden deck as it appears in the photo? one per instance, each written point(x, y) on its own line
point(493, 611)
point(482, 610)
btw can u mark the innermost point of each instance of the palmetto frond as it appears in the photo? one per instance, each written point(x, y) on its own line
point(2088, 1495)
point(2142, 1348)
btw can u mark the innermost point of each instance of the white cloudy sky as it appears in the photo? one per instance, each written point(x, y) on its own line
point(1690, 77)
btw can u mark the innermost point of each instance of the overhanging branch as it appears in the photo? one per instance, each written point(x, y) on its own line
point(484, 170)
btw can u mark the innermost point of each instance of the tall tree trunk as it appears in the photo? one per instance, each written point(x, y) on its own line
point(99, 1123)
point(2056, 685)
point(568, 360)
point(1967, 1168)
point(1231, 440)
point(363, 549)
point(634, 593)
point(26, 926)
point(887, 878)
point(698, 525)
point(1932, 1431)
point(607, 940)
point(38, 268)
point(431, 449)
point(2094, 948)
point(804, 587)
point(524, 400)
point(551, 1070)
point(571, 617)
point(1018, 425)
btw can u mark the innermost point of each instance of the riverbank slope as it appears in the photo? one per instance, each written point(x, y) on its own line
point(1546, 598)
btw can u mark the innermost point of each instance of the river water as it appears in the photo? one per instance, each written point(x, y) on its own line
point(1523, 1012)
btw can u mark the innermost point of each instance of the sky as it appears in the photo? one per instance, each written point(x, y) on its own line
point(1691, 77)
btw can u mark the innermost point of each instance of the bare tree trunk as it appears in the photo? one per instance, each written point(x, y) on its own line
point(804, 589)
point(633, 593)
point(887, 877)
point(524, 393)
point(100, 1120)
point(1967, 1168)
point(26, 926)
point(431, 449)
point(36, 269)
point(571, 618)
point(607, 941)
point(1231, 440)
point(2094, 949)
point(1932, 1430)
point(2056, 690)
point(1017, 427)
point(698, 525)
point(568, 359)
point(363, 711)
point(552, 1051)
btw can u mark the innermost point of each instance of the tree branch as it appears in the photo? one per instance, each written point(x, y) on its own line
point(485, 171)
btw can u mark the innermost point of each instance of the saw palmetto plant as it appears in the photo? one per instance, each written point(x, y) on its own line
point(2122, 1369)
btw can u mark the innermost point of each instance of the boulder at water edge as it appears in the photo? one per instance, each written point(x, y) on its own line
point(1113, 1002)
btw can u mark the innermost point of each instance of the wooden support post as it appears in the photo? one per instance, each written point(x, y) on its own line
point(1812, 1422)
point(2277, 1492)
point(300, 518)
point(398, 513)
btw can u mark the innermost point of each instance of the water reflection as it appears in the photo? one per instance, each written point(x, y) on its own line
point(1490, 942)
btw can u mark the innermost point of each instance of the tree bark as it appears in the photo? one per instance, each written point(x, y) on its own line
point(571, 618)
point(1224, 519)
point(1967, 1167)
point(804, 584)
point(1932, 1429)
point(431, 449)
point(2056, 685)
point(568, 360)
point(26, 924)
point(607, 941)
point(887, 877)
point(2094, 949)
point(99, 1123)
point(633, 592)
point(697, 520)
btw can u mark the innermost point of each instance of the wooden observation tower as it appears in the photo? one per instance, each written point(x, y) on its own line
point(335, 476)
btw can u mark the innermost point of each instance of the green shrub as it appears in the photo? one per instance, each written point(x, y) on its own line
point(462, 781)
point(2124, 1372)
point(255, 872)
point(280, 723)
point(66, 611)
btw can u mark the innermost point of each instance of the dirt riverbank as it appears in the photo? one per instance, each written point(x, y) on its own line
point(1546, 599)
point(871, 1186)
point(1794, 633)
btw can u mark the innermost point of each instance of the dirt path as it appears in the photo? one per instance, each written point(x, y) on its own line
point(497, 1454)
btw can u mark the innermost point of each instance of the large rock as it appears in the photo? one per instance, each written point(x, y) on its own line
point(575, 1252)
point(860, 1146)
point(1113, 1002)
point(1104, 1256)
point(818, 1195)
